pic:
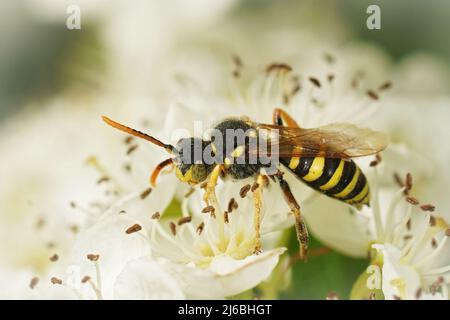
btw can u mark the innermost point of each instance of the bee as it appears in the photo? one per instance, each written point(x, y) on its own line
point(320, 157)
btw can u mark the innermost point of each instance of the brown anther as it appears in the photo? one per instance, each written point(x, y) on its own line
point(93, 257)
point(408, 224)
point(232, 205)
point(103, 179)
point(278, 66)
point(200, 228)
point(237, 60)
point(122, 212)
point(432, 221)
point(315, 81)
point(407, 237)
point(173, 228)
point(55, 280)
point(328, 58)
point(127, 167)
point(156, 215)
point(208, 209)
point(184, 220)
point(54, 258)
point(396, 297)
point(398, 180)
point(372, 95)
point(255, 186)
point(372, 296)
point(33, 282)
point(73, 204)
point(385, 86)
point(330, 77)
point(129, 139)
point(225, 217)
point(418, 293)
point(408, 182)
point(131, 149)
point(427, 207)
point(134, 228)
point(434, 243)
point(85, 279)
point(204, 185)
point(447, 232)
point(244, 190)
point(376, 161)
point(412, 200)
point(145, 193)
point(332, 296)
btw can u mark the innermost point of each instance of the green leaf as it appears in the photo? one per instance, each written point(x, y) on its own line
point(322, 274)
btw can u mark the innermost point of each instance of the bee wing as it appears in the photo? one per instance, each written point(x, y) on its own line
point(337, 140)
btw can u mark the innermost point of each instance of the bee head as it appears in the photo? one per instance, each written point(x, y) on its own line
point(190, 166)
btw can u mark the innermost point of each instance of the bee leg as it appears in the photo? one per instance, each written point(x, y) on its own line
point(281, 118)
point(257, 202)
point(210, 192)
point(300, 226)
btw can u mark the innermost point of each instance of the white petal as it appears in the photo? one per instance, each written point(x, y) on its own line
point(399, 279)
point(226, 276)
point(145, 279)
point(334, 224)
point(108, 239)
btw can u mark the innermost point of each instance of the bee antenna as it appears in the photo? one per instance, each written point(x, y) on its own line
point(169, 148)
point(158, 169)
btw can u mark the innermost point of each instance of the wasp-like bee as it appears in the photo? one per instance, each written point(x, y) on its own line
point(320, 157)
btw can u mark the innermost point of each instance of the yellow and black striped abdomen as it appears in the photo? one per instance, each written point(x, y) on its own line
point(337, 178)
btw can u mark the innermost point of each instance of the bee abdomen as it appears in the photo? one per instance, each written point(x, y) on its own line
point(337, 178)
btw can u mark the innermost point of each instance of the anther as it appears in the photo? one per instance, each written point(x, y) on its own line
point(33, 283)
point(208, 209)
point(85, 279)
point(447, 232)
point(200, 228)
point(372, 95)
point(315, 81)
point(156, 216)
point(332, 296)
point(418, 293)
point(232, 205)
point(134, 228)
point(55, 280)
point(412, 200)
point(54, 258)
point(385, 86)
point(184, 220)
point(225, 217)
point(128, 139)
point(145, 193)
point(427, 207)
point(244, 190)
point(93, 257)
point(131, 149)
point(103, 179)
point(255, 186)
point(434, 243)
point(173, 228)
point(432, 221)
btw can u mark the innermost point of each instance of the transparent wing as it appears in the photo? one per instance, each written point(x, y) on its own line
point(337, 140)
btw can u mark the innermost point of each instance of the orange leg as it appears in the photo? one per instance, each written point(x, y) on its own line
point(282, 118)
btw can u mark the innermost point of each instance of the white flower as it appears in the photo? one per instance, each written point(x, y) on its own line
point(206, 258)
